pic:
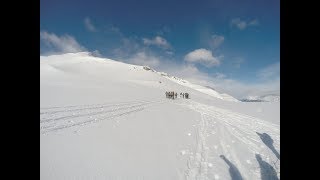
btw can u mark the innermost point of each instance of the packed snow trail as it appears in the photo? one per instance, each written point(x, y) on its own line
point(221, 132)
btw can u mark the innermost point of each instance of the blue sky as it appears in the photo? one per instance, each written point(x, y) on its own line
point(232, 45)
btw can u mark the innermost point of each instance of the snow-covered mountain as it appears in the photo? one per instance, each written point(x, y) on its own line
point(271, 98)
point(104, 119)
point(263, 98)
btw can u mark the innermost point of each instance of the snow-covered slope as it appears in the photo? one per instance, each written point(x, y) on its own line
point(103, 119)
point(202, 89)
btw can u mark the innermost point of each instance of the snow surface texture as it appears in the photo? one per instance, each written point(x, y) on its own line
point(103, 119)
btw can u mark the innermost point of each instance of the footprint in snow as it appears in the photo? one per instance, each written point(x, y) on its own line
point(183, 152)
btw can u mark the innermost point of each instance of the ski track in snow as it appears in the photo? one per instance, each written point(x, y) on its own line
point(204, 161)
point(57, 118)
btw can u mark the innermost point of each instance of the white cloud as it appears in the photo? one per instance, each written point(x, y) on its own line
point(143, 58)
point(157, 41)
point(63, 44)
point(242, 24)
point(89, 26)
point(202, 56)
point(215, 41)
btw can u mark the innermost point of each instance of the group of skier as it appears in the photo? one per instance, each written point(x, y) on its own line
point(173, 95)
point(184, 95)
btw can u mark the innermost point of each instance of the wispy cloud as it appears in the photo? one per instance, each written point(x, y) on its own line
point(238, 23)
point(236, 63)
point(270, 72)
point(143, 58)
point(61, 44)
point(132, 45)
point(96, 53)
point(128, 47)
point(219, 75)
point(164, 30)
point(254, 22)
point(89, 26)
point(242, 24)
point(116, 30)
point(157, 41)
point(169, 53)
point(202, 56)
point(215, 41)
